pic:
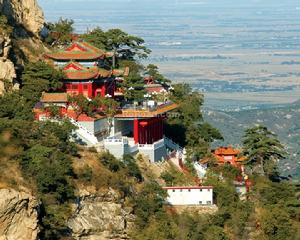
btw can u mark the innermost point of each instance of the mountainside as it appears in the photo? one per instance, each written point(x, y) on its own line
point(18, 215)
point(25, 15)
point(20, 25)
point(282, 120)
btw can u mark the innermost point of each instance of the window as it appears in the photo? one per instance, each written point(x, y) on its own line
point(173, 190)
point(208, 202)
point(189, 190)
point(208, 190)
point(200, 202)
point(180, 190)
point(200, 190)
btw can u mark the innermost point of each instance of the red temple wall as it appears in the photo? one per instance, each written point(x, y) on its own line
point(87, 89)
point(148, 131)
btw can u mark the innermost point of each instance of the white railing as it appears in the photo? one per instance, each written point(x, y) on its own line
point(117, 135)
point(109, 140)
point(155, 145)
point(116, 139)
point(123, 142)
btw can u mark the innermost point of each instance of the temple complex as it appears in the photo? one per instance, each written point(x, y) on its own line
point(135, 128)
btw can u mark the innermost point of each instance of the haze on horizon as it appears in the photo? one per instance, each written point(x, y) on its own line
point(232, 50)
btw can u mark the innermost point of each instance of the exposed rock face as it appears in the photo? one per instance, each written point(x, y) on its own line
point(7, 68)
point(18, 215)
point(25, 13)
point(26, 19)
point(100, 216)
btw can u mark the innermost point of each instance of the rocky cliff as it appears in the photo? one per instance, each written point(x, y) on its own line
point(96, 216)
point(18, 215)
point(26, 16)
point(7, 68)
point(21, 42)
point(100, 216)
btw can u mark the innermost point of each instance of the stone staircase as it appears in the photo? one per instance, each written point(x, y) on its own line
point(81, 134)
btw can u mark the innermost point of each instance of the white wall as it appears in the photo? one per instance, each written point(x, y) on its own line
point(115, 148)
point(156, 151)
point(190, 196)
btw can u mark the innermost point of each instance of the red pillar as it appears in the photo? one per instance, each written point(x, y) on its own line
point(94, 89)
point(90, 90)
point(136, 134)
point(141, 135)
point(103, 90)
point(80, 88)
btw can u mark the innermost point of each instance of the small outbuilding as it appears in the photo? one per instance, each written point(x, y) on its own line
point(190, 195)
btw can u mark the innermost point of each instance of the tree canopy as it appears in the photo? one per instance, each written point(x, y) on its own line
point(263, 150)
point(60, 32)
point(153, 72)
point(187, 126)
point(122, 44)
point(38, 77)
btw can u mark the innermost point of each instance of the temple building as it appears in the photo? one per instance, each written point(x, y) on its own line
point(189, 195)
point(86, 71)
point(227, 155)
point(141, 130)
point(81, 52)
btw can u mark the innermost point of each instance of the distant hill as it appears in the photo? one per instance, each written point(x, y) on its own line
point(283, 120)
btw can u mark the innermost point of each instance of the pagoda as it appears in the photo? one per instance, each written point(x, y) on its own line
point(85, 70)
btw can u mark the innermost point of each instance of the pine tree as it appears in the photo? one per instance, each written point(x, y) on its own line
point(263, 150)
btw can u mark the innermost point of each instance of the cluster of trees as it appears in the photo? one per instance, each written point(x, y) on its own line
point(187, 126)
